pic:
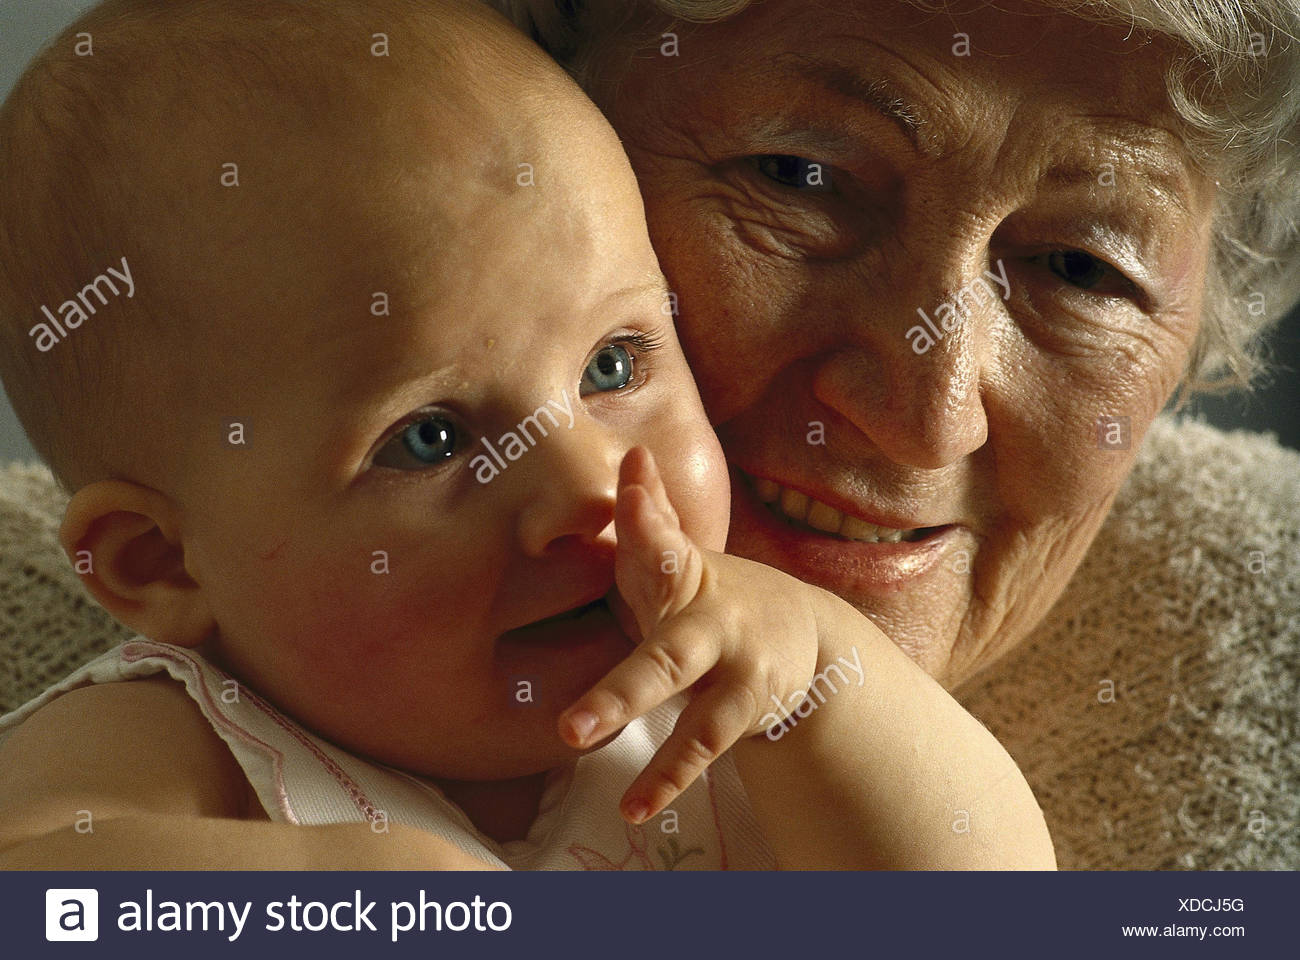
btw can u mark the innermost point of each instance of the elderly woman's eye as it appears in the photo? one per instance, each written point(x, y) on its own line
point(1085, 272)
point(792, 171)
point(1077, 268)
point(421, 444)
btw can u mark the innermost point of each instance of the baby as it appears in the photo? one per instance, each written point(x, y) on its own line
point(379, 434)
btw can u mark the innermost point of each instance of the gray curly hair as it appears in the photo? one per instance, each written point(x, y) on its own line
point(1233, 82)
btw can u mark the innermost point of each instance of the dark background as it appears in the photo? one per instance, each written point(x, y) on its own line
point(1274, 406)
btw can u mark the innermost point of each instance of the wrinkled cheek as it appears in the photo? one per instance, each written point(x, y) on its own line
point(744, 316)
point(714, 335)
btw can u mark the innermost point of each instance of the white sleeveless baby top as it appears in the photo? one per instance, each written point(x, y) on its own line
point(303, 779)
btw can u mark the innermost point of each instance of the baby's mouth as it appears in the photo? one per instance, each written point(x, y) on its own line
point(575, 627)
point(577, 613)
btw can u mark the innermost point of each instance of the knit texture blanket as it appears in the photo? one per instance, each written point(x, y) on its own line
point(1154, 711)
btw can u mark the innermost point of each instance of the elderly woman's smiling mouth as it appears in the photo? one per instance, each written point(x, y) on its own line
point(828, 539)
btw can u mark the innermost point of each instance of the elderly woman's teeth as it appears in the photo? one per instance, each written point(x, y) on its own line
point(821, 516)
point(794, 504)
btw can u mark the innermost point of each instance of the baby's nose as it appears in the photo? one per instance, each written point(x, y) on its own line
point(569, 483)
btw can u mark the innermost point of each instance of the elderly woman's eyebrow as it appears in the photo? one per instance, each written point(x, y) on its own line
point(877, 92)
point(1140, 157)
point(1164, 175)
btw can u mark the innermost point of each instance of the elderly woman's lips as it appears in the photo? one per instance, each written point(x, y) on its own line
point(863, 562)
point(794, 505)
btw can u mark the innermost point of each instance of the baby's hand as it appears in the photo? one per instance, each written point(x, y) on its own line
point(733, 632)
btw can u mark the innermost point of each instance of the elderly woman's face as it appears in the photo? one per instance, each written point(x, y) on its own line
point(919, 260)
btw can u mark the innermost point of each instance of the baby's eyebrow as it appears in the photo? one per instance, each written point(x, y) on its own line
point(652, 285)
point(375, 399)
point(387, 391)
point(396, 390)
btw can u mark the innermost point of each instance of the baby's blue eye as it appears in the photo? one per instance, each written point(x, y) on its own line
point(426, 442)
point(609, 369)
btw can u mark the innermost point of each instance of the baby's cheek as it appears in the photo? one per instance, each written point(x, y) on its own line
point(319, 624)
point(365, 662)
point(353, 618)
point(695, 475)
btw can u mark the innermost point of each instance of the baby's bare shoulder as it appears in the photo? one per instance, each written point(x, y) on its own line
point(116, 749)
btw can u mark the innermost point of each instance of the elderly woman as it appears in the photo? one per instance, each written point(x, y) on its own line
point(939, 268)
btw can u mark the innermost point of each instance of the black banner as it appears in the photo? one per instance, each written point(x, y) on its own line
point(191, 915)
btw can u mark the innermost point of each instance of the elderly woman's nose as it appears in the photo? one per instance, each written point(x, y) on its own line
point(923, 410)
point(568, 484)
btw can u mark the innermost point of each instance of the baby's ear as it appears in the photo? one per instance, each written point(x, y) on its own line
point(123, 540)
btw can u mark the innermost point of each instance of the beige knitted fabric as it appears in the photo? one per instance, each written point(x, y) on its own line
point(48, 623)
point(1191, 761)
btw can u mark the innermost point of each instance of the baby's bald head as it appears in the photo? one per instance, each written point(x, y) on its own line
point(196, 139)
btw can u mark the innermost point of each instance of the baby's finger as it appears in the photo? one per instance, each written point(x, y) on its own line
point(678, 654)
point(640, 469)
point(656, 566)
point(715, 719)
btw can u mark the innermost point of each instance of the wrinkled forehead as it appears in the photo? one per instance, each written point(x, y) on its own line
point(953, 47)
point(1023, 91)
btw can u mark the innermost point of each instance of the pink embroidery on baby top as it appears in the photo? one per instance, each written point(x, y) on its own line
point(137, 651)
point(130, 653)
point(717, 823)
point(671, 853)
point(357, 795)
point(590, 859)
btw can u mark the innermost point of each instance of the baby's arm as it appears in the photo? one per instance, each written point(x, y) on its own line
point(131, 776)
point(889, 774)
point(893, 774)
